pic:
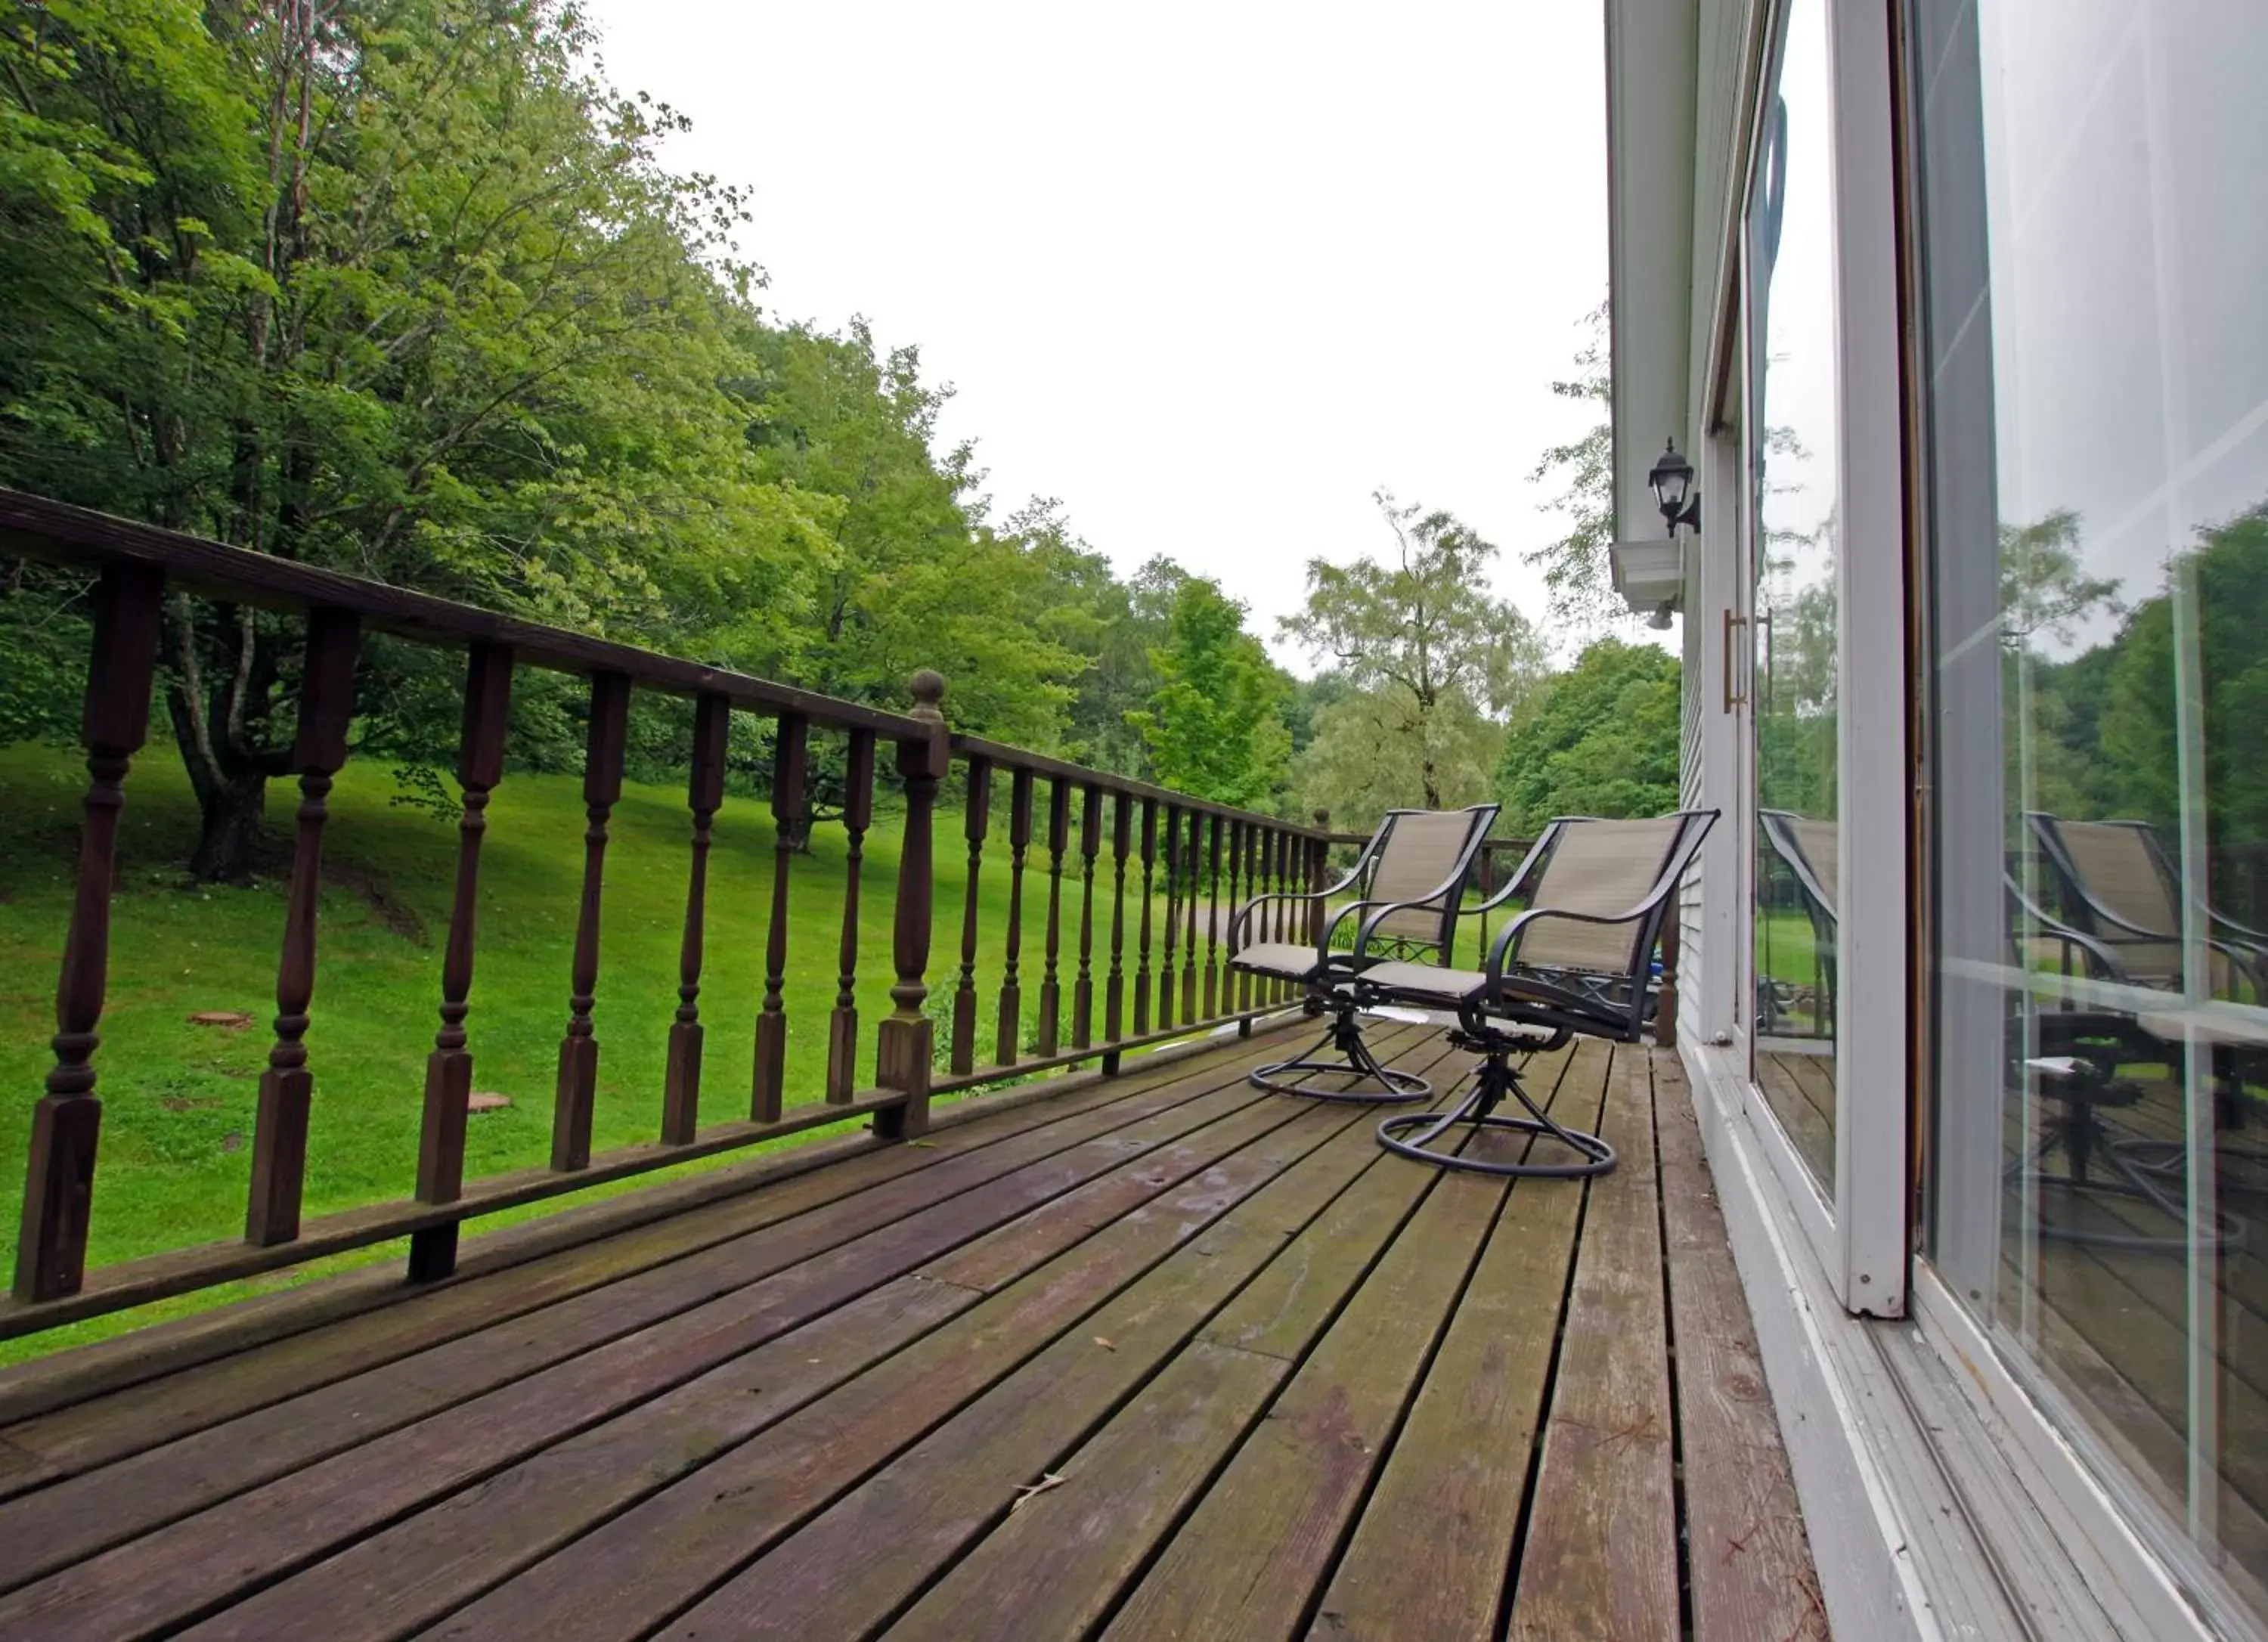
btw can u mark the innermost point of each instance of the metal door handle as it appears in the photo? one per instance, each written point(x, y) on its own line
point(1731, 699)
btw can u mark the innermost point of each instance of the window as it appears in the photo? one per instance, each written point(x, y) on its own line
point(2095, 401)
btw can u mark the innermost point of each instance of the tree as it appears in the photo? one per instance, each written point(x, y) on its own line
point(1361, 761)
point(390, 285)
point(1600, 739)
point(1438, 660)
point(1575, 565)
point(1214, 726)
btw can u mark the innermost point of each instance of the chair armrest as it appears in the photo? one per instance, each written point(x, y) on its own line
point(1385, 909)
point(1652, 898)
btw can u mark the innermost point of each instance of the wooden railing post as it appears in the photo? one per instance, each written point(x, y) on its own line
point(603, 751)
point(67, 1120)
point(705, 796)
point(1229, 916)
point(1082, 991)
point(1050, 986)
point(1665, 998)
point(1166, 974)
point(975, 818)
point(318, 747)
point(857, 816)
point(1212, 918)
point(906, 1040)
point(1257, 931)
point(1114, 991)
point(1196, 869)
point(790, 753)
point(1009, 1045)
point(449, 1068)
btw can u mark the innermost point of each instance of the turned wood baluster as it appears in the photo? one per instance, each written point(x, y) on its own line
point(577, 1089)
point(1166, 972)
point(1082, 991)
point(1256, 931)
point(791, 753)
point(905, 1042)
point(1195, 859)
point(1009, 1045)
point(705, 795)
point(1058, 841)
point(1287, 927)
point(67, 1120)
point(1142, 942)
point(1214, 916)
point(279, 1133)
point(1665, 1008)
point(857, 816)
point(974, 819)
point(1114, 995)
point(1230, 981)
point(449, 1068)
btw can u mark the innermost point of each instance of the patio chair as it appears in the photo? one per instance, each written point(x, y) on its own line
point(1576, 961)
point(1809, 850)
point(1410, 882)
point(2074, 1052)
point(2118, 887)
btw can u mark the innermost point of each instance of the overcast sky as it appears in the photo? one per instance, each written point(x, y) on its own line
point(1209, 273)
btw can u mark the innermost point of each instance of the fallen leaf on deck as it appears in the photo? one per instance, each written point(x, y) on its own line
point(1026, 1492)
point(235, 1019)
point(926, 1146)
point(1104, 1343)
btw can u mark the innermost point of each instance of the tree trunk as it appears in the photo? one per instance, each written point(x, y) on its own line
point(231, 816)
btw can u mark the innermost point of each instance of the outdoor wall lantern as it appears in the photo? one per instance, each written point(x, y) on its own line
point(1672, 479)
point(1651, 575)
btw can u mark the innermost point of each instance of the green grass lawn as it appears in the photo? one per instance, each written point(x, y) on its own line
point(179, 1100)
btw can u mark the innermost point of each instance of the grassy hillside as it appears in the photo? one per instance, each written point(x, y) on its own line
point(179, 1098)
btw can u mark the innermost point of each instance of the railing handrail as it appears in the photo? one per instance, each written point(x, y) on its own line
point(58, 532)
point(1008, 757)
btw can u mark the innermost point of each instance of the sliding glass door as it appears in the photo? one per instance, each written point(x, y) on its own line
point(2095, 385)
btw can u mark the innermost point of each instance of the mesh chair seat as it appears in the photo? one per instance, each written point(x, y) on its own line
point(1420, 982)
point(1287, 961)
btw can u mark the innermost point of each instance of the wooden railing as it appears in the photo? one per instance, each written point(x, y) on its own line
point(1156, 841)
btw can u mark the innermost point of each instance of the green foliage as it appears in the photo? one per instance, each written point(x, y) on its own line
point(1575, 565)
point(1433, 660)
point(1214, 726)
point(1600, 740)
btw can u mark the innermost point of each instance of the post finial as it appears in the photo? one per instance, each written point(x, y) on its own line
point(928, 687)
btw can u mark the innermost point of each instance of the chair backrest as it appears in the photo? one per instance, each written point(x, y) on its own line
point(1417, 852)
point(2115, 867)
point(1812, 850)
point(1600, 867)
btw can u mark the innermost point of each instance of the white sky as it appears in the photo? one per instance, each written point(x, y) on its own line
point(1209, 273)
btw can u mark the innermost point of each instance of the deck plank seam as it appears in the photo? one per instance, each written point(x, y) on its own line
point(1332, 1121)
point(1501, 1630)
point(726, 1234)
point(766, 1171)
point(1163, 1543)
point(1679, 1515)
point(1195, 1333)
point(661, 1388)
point(1310, 1613)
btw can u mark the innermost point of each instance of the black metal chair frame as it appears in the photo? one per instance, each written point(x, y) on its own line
point(1329, 986)
point(1503, 1018)
point(1818, 906)
point(2081, 1051)
point(2245, 948)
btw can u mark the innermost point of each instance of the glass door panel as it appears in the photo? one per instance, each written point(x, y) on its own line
point(1793, 627)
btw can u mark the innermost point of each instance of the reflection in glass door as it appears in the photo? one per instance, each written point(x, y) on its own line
point(1792, 622)
point(2097, 373)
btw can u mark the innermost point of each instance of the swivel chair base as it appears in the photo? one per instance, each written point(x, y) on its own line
point(2081, 1135)
point(1356, 1066)
point(1419, 1135)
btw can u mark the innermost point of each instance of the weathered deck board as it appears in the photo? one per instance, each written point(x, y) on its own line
point(1290, 1384)
point(1601, 1557)
point(1749, 1571)
point(1458, 1472)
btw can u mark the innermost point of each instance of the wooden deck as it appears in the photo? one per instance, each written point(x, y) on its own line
point(1158, 1356)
